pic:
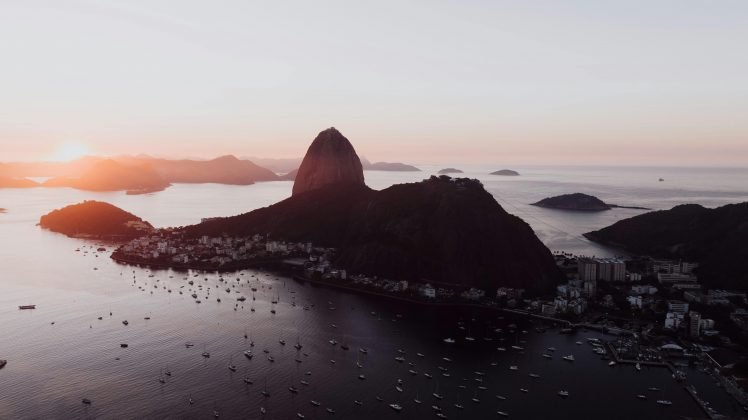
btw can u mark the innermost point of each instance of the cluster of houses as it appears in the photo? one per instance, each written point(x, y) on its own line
point(173, 248)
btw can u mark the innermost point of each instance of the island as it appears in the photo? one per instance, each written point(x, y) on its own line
point(580, 202)
point(505, 172)
point(388, 166)
point(717, 239)
point(95, 219)
point(449, 233)
point(446, 171)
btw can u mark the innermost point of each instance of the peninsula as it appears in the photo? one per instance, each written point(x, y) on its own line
point(717, 239)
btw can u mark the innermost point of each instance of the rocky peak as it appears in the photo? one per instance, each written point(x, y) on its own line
point(331, 159)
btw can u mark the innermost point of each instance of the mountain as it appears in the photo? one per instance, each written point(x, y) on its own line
point(8, 182)
point(222, 170)
point(387, 166)
point(329, 160)
point(442, 230)
point(110, 175)
point(715, 238)
point(505, 172)
point(576, 201)
point(95, 219)
point(449, 171)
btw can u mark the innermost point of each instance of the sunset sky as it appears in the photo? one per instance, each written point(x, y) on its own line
point(535, 82)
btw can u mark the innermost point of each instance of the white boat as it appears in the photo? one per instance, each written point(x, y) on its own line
point(563, 394)
point(449, 340)
point(513, 367)
point(638, 366)
point(396, 407)
point(612, 363)
point(502, 413)
point(569, 358)
point(664, 402)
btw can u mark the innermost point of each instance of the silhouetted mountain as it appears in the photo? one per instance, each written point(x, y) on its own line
point(576, 201)
point(329, 160)
point(505, 172)
point(441, 230)
point(715, 238)
point(446, 171)
point(221, 170)
point(109, 175)
point(95, 219)
point(7, 182)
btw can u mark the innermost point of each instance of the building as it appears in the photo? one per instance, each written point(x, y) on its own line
point(587, 269)
point(677, 306)
point(668, 278)
point(611, 269)
point(694, 324)
point(427, 291)
point(635, 301)
point(673, 320)
point(590, 288)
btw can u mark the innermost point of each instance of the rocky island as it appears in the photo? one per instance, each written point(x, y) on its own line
point(717, 239)
point(441, 230)
point(505, 172)
point(446, 171)
point(579, 202)
point(95, 219)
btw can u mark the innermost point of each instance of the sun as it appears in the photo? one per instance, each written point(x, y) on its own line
point(70, 150)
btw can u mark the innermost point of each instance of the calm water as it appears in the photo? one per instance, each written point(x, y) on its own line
point(53, 366)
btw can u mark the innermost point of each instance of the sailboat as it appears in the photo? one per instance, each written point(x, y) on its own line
point(232, 366)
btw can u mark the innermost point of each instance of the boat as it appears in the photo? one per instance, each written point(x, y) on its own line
point(27, 307)
point(400, 359)
point(569, 358)
point(263, 411)
point(330, 410)
point(3, 362)
point(315, 403)
point(438, 396)
point(502, 413)
point(357, 402)
point(513, 367)
point(86, 401)
point(449, 340)
point(534, 375)
point(299, 415)
point(282, 342)
point(563, 394)
point(361, 376)
point(501, 397)
point(551, 349)
point(396, 407)
point(525, 390)
point(518, 348)
point(612, 363)
point(248, 354)
point(547, 356)
point(638, 366)
point(398, 388)
point(664, 402)
point(459, 406)
point(125, 322)
point(641, 397)
point(501, 348)
point(293, 389)
point(363, 350)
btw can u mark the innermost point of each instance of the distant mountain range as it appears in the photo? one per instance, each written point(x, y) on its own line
point(142, 173)
point(715, 238)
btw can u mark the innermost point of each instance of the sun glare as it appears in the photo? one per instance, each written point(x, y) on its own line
point(70, 151)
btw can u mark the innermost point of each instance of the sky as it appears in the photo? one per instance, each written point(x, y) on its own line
point(533, 82)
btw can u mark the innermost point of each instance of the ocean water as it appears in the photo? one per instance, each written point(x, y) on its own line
point(61, 353)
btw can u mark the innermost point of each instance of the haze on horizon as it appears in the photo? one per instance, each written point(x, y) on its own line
point(537, 82)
